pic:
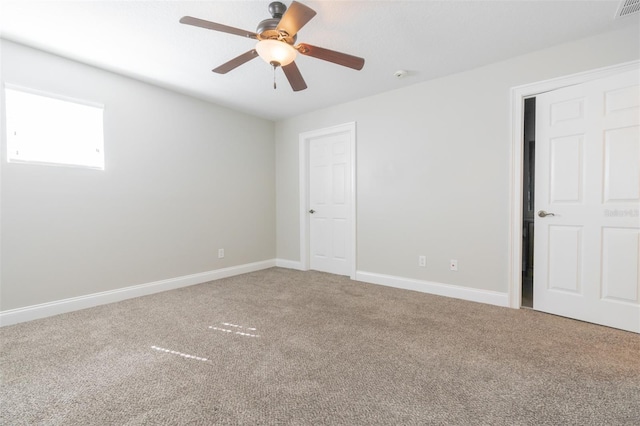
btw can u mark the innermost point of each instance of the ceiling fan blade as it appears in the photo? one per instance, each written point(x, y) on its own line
point(295, 78)
point(190, 20)
point(331, 55)
point(296, 17)
point(236, 62)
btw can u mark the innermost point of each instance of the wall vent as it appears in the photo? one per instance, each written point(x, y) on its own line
point(628, 7)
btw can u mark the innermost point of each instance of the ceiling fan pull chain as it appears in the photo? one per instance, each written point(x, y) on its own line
point(274, 77)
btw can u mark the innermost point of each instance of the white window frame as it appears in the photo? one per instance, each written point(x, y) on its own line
point(98, 164)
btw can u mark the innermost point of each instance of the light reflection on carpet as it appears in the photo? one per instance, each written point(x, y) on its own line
point(236, 331)
point(197, 358)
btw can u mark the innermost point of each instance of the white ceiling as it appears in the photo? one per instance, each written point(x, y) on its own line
point(144, 40)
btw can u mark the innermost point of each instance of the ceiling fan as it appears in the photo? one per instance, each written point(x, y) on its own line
point(276, 42)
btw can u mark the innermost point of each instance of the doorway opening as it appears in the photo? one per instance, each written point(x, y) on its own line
point(519, 95)
point(528, 192)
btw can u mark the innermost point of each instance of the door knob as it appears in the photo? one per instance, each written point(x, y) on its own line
point(542, 213)
point(312, 211)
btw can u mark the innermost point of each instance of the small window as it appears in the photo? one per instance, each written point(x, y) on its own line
point(46, 130)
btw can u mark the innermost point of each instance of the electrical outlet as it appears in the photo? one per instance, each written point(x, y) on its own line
point(422, 261)
point(453, 264)
point(220, 253)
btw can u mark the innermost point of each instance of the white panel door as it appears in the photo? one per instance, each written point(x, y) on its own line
point(329, 203)
point(587, 230)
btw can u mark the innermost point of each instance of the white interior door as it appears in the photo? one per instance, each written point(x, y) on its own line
point(587, 246)
point(330, 186)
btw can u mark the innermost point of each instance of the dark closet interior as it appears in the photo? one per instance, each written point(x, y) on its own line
point(528, 198)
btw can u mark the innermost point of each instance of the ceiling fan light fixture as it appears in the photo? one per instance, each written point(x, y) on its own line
point(276, 53)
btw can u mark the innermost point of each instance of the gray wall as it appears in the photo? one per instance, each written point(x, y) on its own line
point(183, 178)
point(433, 166)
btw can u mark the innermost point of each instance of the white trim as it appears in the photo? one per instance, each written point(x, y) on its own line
point(518, 95)
point(304, 191)
point(54, 95)
point(289, 264)
point(43, 310)
point(440, 289)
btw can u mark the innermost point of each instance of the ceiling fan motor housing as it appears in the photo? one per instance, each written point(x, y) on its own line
point(266, 29)
point(277, 9)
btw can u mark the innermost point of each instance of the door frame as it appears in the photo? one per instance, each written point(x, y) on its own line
point(518, 95)
point(304, 140)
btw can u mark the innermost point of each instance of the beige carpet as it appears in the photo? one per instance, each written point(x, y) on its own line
point(302, 348)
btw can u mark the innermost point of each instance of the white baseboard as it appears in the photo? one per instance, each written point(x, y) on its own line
point(289, 264)
point(448, 290)
point(48, 309)
point(44, 310)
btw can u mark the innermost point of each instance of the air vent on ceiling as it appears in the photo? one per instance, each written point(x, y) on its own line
point(628, 7)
